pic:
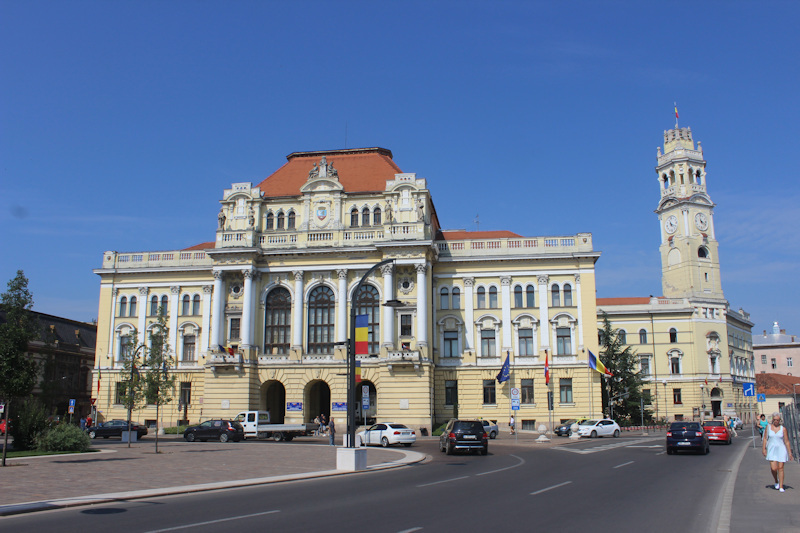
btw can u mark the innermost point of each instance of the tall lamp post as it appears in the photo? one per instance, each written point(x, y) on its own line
point(351, 355)
point(666, 411)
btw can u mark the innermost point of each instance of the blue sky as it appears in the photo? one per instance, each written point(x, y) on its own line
point(122, 122)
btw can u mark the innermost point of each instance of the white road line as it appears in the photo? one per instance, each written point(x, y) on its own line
point(550, 488)
point(661, 453)
point(624, 464)
point(187, 526)
point(521, 462)
point(410, 530)
point(443, 481)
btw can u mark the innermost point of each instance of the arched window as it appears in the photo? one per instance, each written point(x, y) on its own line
point(517, 296)
point(365, 217)
point(444, 298)
point(186, 304)
point(123, 306)
point(354, 218)
point(493, 297)
point(556, 296)
point(196, 305)
point(567, 295)
point(279, 221)
point(673, 335)
point(270, 220)
point(277, 321)
point(368, 302)
point(622, 336)
point(153, 305)
point(481, 297)
point(290, 220)
point(702, 252)
point(530, 300)
point(698, 177)
point(133, 306)
point(164, 305)
point(642, 336)
point(320, 320)
point(456, 298)
point(376, 217)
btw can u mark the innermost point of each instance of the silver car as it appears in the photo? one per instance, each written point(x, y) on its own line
point(490, 428)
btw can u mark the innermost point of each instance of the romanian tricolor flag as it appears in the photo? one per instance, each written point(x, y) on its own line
point(362, 334)
point(358, 371)
point(546, 369)
point(676, 110)
point(596, 364)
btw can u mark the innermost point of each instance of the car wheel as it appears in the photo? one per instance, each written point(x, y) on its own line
point(384, 442)
point(484, 451)
point(277, 436)
point(706, 450)
point(616, 433)
point(92, 435)
point(593, 435)
point(223, 437)
point(189, 437)
point(449, 450)
point(407, 444)
point(493, 435)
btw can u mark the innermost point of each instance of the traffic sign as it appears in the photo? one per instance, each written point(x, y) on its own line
point(365, 397)
point(749, 389)
point(72, 402)
point(515, 393)
point(761, 397)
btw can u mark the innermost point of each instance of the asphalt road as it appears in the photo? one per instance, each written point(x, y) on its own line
point(625, 484)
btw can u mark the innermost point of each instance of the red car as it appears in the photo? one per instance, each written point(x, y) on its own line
point(717, 431)
point(2, 426)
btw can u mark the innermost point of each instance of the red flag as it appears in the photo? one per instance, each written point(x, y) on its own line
point(706, 382)
point(546, 369)
point(230, 350)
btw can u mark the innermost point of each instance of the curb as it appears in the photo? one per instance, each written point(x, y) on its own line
point(409, 458)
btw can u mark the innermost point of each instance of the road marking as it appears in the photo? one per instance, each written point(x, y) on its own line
point(550, 488)
point(521, 462)
point(443, 481)
point(625, 464)
point(187, 526)
point(410, 530)
point(653, 446)
point(604, 447)
point(661, 453)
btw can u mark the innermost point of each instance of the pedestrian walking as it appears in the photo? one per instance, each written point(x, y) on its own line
point(323, 426)
point(511, 424)
point(316, 421)
point(83, 423)
point(332, 432)
point(775, 447)
point(762, 425)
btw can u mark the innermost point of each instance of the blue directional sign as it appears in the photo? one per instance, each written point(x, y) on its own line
point(749, 389)
point(761, 397)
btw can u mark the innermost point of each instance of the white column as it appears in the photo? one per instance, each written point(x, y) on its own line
point(141, 308)
point(505, 295)
point(218, 315)
point(387, 325)
point(580, 312)
point(422, 305)
point(297, 311)
point(174, 300)
point(341, 307)
point(544, 317)
point(114, 296)
point(203, 345)
point(247, 309)
point(469, 313)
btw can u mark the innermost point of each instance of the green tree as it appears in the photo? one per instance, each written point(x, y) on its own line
point(624, 387)
point(131, 390)
point(158, 384)
point(18, 369)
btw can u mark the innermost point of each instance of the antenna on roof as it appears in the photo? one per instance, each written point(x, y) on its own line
point(477, 222)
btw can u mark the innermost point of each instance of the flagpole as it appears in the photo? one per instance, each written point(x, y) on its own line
point(676, 115)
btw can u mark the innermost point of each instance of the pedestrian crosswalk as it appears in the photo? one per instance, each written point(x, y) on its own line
point(616, 443)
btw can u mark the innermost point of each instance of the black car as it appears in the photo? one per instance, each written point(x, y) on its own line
point(114, 428)
point(464, 435)
point(221, 430)
point(686, 436)
point(565, 429)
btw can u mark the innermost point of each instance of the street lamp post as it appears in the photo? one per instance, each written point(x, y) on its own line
point(666, 411)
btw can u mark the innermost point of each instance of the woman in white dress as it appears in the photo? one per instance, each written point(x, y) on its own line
point(776, 449)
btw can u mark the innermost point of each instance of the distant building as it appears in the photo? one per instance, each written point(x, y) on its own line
point(777, 352)
point(781, 390)
point(695, 351)
point(64, 350)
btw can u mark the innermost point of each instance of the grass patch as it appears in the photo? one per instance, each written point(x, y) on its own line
point(34, 453)
point(175, 430)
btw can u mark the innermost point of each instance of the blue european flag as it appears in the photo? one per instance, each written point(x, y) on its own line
point(505, 372)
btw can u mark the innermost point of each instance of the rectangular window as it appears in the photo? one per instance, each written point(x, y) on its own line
point(405, 325)
point(125, 346)
point(188, 347)
point(185, 306)
point(234, 329)
point(642, 336)
point(481, 298)
point(456, 298)
point(186, 394)
point(529, 425)
point(789, 362)
point(526, 342)
point(530, 299)
point(675, 365)
point(119, 394)
point(676, 396)
point(487, 343)
point(565, 388)
point(196, 306)
point(563, 341)
point(773, 363)
point(450, 348)
point(644, 364)
point(493, 298)
point(489, 397)
point(647, 397)
point(450, 392)
point(526, 390)
point(444, 297)
point(518, 297)
point(764, 359)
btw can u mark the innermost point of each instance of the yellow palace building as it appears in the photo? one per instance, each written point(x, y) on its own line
point(258, 317)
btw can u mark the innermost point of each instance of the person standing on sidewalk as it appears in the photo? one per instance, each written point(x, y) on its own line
point(776, 449)
point(511, 424)
point(332, 432)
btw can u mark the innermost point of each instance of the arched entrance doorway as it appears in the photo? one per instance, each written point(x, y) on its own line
point(273, 399)
point(716, 401)
point(372, 412)
point(317, 401)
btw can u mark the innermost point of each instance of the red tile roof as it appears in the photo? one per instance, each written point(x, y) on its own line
point(776, 384)
point(359, 169)
point(201, 246)
point(635, 300)
point(460, 235)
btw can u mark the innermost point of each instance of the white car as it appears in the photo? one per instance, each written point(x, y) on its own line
point(598, 428)
point(386, 434)
point(490, 428)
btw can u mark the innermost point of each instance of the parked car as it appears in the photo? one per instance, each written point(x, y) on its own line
point(464, 435)
point(604, 427)
point(2, 426)
point(114, 428)
point(717, 431)
point(490, 428)
point(221, 430)
point(386, 434)
point(686, 436)
point(565, 429)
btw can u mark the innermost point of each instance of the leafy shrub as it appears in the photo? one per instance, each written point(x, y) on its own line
point(28, 420)
point(63, 438)
point(175, 430)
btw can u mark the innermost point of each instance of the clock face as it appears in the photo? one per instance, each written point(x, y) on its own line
point(671, 224)
point(701, 221)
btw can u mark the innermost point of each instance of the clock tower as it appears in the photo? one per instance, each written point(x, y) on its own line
point(689, 249)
